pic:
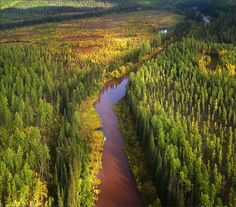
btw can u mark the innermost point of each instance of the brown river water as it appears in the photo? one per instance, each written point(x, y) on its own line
point(117, 184)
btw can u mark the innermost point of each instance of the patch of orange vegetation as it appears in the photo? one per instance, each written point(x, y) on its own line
point(86, 50)
point(82, 38)
point(19, 34)
point(104, 24)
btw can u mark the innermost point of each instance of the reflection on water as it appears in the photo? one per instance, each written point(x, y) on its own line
point(114, 86)
point(117, 184)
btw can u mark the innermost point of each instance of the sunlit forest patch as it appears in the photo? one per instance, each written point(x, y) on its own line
point(217, 60)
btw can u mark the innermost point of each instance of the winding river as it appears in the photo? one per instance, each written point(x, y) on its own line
point(117, 184)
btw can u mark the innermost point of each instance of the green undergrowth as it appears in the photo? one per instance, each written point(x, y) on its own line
point(88, 130)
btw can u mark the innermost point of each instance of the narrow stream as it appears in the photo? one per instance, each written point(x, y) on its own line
point(117, 184)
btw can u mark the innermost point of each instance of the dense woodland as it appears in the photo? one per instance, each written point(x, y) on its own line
point(42, 155)
point(183, 104)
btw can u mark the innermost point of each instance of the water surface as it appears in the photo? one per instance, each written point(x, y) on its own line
point(117, 184)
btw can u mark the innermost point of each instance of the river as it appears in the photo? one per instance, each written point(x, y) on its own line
point(117, 184)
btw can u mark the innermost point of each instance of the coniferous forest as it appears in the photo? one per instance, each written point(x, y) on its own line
point(184, 111)
point(42, 152)
point(65, 65)
point(183, 104)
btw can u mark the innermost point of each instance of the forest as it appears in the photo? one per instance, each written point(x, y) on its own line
point(185, 118)
point(42, 153)
point(183, 105)
point(178, 117)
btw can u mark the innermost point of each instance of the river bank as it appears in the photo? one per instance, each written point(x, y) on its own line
point(89, 131)
point(135, 155)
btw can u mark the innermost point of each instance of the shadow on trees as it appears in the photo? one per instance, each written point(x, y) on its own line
point(17, 17)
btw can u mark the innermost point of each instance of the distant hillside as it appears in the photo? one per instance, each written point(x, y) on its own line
point(109, 3)
point(104, 3)
point(41, 3)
